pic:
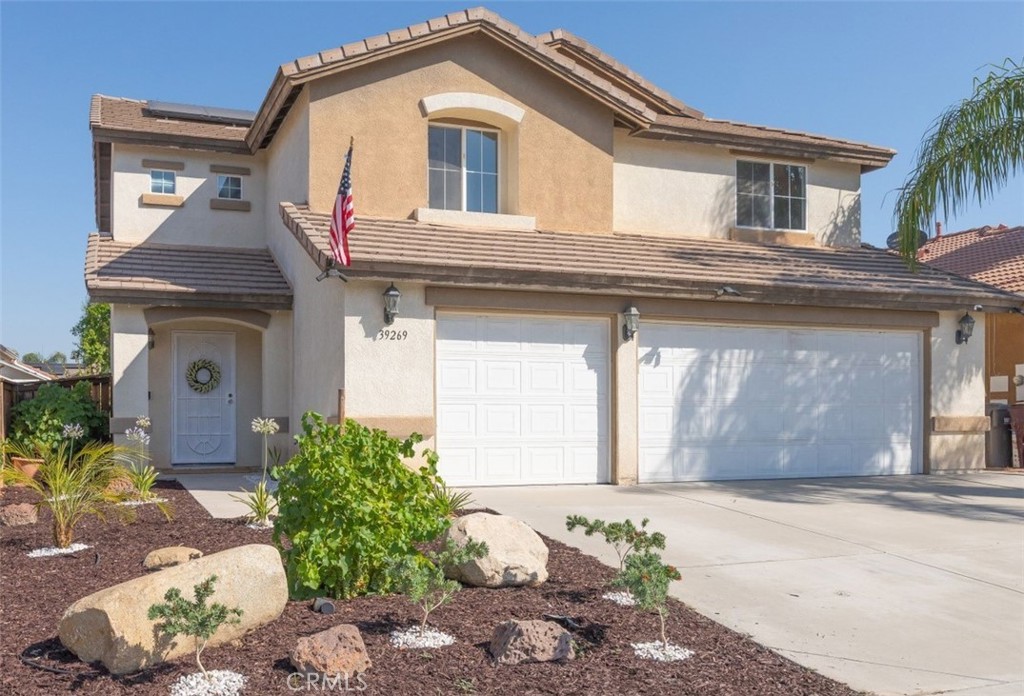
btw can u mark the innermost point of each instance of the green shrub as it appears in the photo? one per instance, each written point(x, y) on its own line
point(195, 619)
point(647, 579)
point(422, 579)
point(347, 503)
point(625, 537)
point(41, 420)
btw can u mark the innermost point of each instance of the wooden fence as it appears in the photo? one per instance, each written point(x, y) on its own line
point(100, 389)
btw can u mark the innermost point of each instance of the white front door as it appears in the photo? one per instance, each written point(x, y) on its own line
point(203, 431)
point(730, 402)
point(522, 400)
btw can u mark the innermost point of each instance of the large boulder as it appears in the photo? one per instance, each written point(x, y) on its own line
point(514, 642)
point(338, 650)
point(18, 514)
point(111, 625)
point(170, 556)
point(516, 555)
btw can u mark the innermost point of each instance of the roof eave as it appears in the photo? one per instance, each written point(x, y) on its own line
point(166, 298)
point(184, 142)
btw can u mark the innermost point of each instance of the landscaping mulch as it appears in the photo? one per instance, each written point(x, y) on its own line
point(35, 591)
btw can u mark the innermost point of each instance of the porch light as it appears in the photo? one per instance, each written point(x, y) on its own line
point(152, 339)
point(391, 298)
point(631, 324)
point(966, 324)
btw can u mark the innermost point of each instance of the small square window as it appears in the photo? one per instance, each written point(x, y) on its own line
point(771, 196)
point(229, 187)
point(161, 181)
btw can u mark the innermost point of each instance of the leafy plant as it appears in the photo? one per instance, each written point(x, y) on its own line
point(139, 474)
point(422, 579)
point(625, 537)
point(194, 619)
point(450, 500)
point(647, 578)
point(39, 422)
point(260, 502)
point(93, 333)
point(73, 485)
point(348, 504)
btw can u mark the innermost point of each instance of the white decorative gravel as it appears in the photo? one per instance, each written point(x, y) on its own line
point(136, 503)
point(57, 551)
point(658, 651)
point(415, 638)
point(260, 527)
point(222, 682)
point(623, 599)
point(271, 483)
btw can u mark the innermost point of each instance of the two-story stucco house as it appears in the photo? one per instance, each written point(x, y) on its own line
point(598, 283)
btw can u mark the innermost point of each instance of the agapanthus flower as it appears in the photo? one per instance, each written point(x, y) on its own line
point(73, 431)
point(143, 422)
point(266, 426)
point(137, 435)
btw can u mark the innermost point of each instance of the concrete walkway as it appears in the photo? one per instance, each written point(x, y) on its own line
point(894, 585)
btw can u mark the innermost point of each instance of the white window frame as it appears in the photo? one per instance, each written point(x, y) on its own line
point(499, 203)
point(241, 187)
point(174, 182)
point(771, 196)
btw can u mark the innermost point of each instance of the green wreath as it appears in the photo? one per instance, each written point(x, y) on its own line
point(195, 372)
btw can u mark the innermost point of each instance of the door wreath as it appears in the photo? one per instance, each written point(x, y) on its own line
point(202, 375)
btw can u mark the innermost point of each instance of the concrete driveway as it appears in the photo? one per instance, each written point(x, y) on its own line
point(894, 585)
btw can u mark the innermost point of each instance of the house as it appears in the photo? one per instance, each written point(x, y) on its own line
point(995, 256)
point(595, 281)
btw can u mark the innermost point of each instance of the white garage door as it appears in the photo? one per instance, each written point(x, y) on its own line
point(522, 400)
point(752, 403)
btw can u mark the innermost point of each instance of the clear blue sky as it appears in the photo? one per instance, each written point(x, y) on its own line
point(877, 72)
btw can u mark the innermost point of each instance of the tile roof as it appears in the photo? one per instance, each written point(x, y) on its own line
point(121, 116)
point(684, 267)
point(183, 275)
point(655, 112)
point(991, 255)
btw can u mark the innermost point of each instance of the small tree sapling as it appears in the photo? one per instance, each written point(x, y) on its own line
point(625, 537)
point(422, 579)
point(195, 619)
point(647, 578)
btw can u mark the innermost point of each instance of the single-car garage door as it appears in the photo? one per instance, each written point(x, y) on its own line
point(522, 400)
point(726, 402)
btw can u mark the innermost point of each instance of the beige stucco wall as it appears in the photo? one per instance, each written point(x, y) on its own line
point(129, 364)
point(684, 189)
point(194, 222)
point(563, 150)
point(958, 389)
point(248, 385)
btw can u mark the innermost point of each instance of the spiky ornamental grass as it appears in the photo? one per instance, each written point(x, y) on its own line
point(195, 619)
point(971, 150)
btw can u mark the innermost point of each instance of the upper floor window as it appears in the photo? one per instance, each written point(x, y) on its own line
point(161, 181)
point(772, 196)
point(463, 169)
point(229, 187)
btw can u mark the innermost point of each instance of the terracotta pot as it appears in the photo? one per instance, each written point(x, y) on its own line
point(29, 467)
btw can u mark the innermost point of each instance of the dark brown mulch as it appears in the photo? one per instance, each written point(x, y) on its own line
point(35, 592)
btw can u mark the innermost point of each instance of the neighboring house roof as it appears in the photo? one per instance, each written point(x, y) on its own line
point(183, 275)
point(683, 267)
point(14, 370)
point(991, 255)
point(649, 110)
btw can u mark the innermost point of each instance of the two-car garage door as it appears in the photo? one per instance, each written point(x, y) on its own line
point(526, 400)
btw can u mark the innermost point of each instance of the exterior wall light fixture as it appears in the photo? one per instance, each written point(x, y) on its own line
point(391, 298)
point(631, 323)
point(152, 339)
point(966, 330)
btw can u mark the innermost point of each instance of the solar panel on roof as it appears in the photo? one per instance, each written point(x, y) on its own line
point(194, 112)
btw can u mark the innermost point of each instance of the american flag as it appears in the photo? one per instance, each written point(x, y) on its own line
point(343, 217)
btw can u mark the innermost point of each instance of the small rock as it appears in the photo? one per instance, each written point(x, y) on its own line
point(18, 515)
point(120, 486)
point(323, 605)
point(514, 642)
point(338, 650)
point(170, 556)
point(516, 555)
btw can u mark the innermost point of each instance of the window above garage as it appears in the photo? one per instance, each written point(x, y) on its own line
point(462, 168)
point(771, 195)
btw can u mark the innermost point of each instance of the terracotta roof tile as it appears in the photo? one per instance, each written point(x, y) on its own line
point(991, 255)
point(689, 267)
point(116, 270)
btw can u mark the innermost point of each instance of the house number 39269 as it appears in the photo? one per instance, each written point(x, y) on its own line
point(392, 335)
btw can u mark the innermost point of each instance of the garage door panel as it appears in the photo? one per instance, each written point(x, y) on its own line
point(522, 400)
point(743, 402)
